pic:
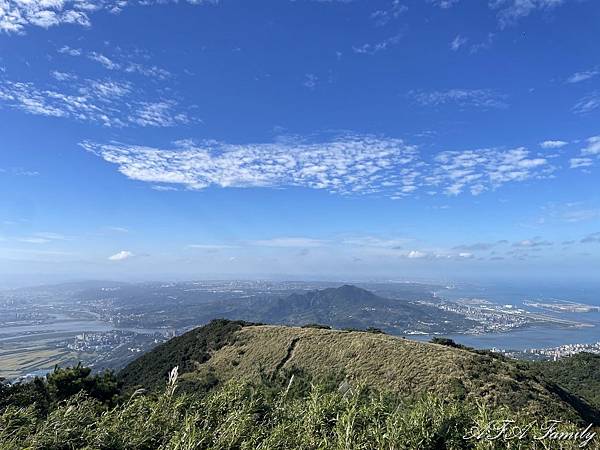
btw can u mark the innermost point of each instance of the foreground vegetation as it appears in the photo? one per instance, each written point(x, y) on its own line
point(243, 386)
point(286, 413)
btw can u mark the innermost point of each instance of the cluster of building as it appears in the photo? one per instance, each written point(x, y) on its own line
point(107, 341)
point(551, 353)
point(492, 318)
point(563, 351)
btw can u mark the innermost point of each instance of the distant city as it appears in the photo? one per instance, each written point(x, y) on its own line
point(107, 324)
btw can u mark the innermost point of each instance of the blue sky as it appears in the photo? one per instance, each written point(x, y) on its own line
point(430, 139)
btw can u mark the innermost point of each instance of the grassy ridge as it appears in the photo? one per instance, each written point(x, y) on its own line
point(239, 351)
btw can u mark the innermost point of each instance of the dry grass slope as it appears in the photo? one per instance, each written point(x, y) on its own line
point(388, 363)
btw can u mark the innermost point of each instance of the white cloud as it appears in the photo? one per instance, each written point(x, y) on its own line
point(63, 76)
point(511, 11)
point(578, 77)
point(553, 144)
point(478, 98)
point(458, 42)
point(577, 163)
point(160, 188)
point(121, 256)
point(371, 49)
point(384, 16)
point(104, 60)
point(310, 81)
point(593, 146)
point(158, 114)
point(485, 169)
point(123, 63)
point(592, 149)
point(110, 103)
point(347, 165)
point(350, 164)
point(17, 15)
point(70, 51)
point(588, 103)
point(416, 254)
point(444, 4)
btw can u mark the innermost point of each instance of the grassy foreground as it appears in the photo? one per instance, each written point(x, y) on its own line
point(289, 413)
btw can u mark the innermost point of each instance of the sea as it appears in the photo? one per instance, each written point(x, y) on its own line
point(516, 294)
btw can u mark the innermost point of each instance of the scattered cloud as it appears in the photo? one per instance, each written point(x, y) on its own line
point(477, 98)
point(553, 144)
point(63, 76)
point(444, 4)
point(485, 169)
point(587, 154)
point(158, 114)
point(383, 16)
point(578, 163)
point(509, 12)
point(104, 60)
point(121, 256)
point(371, 49)
point(458, 42)
point(17, 15)
point(19, 172)
point(310, 81)
point(161, 188)
point(123, 65)
point(110, 103)
point(70, 51)
point(593, 146)
point(588, 103)
point(350, 164)
point(483, 45)
point(416, 254)
point(578, 77)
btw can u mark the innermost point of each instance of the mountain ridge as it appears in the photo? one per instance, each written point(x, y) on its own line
point(251, 352)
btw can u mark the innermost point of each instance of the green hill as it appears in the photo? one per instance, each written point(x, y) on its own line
point(579, 374)
point(349, 307)
point(225, 351)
